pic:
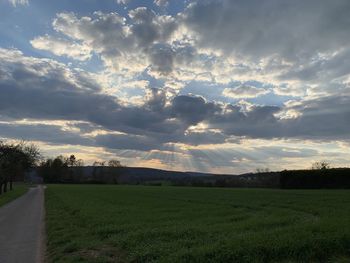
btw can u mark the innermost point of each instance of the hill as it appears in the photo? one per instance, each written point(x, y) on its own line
point(291, 179)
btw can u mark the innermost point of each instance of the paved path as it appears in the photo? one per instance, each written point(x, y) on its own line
point(21, 228)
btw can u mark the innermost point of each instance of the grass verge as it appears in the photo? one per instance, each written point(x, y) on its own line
point(18, 190)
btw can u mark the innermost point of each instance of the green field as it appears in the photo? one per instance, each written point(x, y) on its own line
point(18, 190)
point(90, 223)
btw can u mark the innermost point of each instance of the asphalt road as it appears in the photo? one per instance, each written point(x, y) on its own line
point(21, 228)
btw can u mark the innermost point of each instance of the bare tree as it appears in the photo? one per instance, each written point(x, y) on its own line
point(71, 161)
point(114, 163)
point(322, 165)
point(99, 163)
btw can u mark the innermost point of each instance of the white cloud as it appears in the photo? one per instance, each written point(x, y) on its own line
point(161, 2)
point(244, 92)
point(62, 47)
point(123, 2)
point(19, 2)
point(125, 45)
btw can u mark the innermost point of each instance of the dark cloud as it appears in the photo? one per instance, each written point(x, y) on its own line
point(44, 89)
point(101, 32)
point(130, 142)
point(258, 122)
point(112, 37)
point(285, 152)
point(28, 93)
point(193, 109)
point(249, 158)
point(322, 118)
point(44, 133)
point(323, 70)
point(294, 30)
point(162, 58)
point(143, 36)
point(207, 137)
point(148, 27)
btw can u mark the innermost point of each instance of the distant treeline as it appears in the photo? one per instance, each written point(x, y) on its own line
point(293, 179)
point(23, 161)
point(336, 178)
point(266, 180)
point(72, 170)
point(316, 179)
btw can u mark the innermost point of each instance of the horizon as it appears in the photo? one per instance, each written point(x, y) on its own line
point(256, 171)
point(214, 86)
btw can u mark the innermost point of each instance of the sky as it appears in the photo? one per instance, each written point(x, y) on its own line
point(222, 86)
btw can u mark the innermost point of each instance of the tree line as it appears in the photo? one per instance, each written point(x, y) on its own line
point(71, 170)
point(16, 159)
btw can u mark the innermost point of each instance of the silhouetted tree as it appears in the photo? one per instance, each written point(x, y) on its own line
point(15, 159)
point(106, 174)
point(99, 163)
point(114, 163)
point(71, 161)
point(262, 170)
point(53, 170)
point(61, 169)
point(322, 165)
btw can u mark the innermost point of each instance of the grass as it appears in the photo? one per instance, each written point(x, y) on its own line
point(90, 223)
point(18, 190)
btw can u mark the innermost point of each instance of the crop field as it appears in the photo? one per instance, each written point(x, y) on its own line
point(89, 223)
point(18, 190)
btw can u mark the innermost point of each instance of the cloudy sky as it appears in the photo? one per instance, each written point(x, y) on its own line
point(223, 86)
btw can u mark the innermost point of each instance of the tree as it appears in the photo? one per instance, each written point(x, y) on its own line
point(98, 171)
point(53, 170)
point(15, 159)
point(106, 174)
point(61, 169)
point(71, 161)
point(114, 163)
point(99, 163)
point(113, 174)
point(262, 170)
point(322, 165)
